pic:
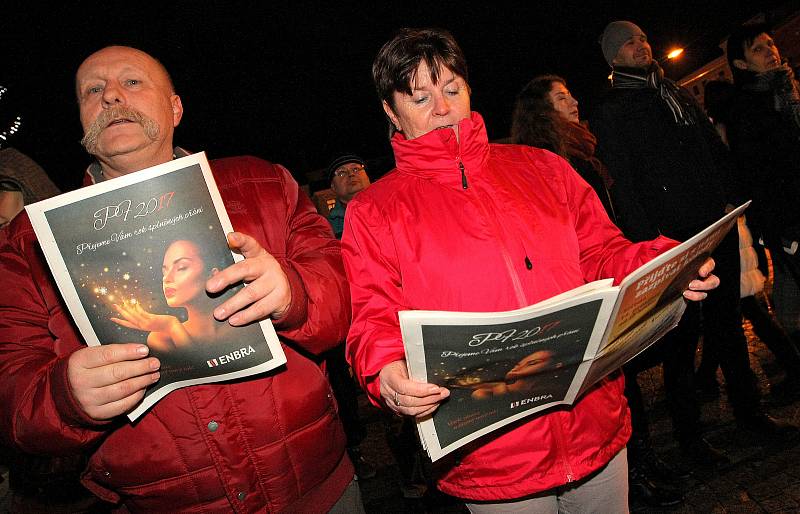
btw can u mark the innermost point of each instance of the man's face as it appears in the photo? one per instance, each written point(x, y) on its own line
point(634, 53)
point(761, 56)
point(349, 179)
point(11, 203)
point(430, 106)
point(128, 109)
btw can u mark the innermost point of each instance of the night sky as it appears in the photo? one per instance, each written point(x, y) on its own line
point(290, 81)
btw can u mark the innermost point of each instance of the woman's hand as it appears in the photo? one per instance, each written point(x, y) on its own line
point(135, 317)
point(707, 282)
point(408, 397)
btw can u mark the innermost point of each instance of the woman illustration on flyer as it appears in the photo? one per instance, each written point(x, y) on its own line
point(185, 270)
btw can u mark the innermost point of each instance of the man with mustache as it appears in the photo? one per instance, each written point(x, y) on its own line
point(764, 136)
point(267, 443)
point(669, 169)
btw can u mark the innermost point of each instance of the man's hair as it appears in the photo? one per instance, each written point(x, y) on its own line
point(739, 40)
point(535, 121)
point(395, 66)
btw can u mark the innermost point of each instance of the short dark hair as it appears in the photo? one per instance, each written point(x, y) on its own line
point(740, 39)
point(535, 121)
point(395, 66)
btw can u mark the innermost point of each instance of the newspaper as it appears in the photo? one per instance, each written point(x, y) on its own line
point(501, 367)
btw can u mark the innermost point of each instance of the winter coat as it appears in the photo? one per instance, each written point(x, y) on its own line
point(669, 179)
point(271, 443)
point(766, 149)
point(471, 226)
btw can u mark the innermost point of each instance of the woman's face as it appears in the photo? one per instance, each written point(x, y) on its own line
point(183, 272)
point(562, 101)
point(430, 106)
point(533, 363)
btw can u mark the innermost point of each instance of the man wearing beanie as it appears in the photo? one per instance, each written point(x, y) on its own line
point(347, 175)
point(670, 168)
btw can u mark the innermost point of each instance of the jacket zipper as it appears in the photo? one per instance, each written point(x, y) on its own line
point(518, 291)
point(463, 175)
point(561, 444)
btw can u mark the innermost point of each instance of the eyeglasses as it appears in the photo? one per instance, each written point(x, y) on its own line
point(348, 172)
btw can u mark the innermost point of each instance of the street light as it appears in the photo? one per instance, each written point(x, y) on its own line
point(673, 54)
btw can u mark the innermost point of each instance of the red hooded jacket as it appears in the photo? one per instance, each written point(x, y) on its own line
point(525, 228)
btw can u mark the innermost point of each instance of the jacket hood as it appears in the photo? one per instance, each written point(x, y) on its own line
point(438, 153)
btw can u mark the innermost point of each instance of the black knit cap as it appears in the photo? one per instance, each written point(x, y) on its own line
point(344, 159)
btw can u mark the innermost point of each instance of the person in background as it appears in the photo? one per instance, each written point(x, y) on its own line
point(718, 99)
point(270, 443)
point(347, 175)
point(546, 116)
point(764, 137)
point(670, 174)
point(22, 182)
point(455, 227)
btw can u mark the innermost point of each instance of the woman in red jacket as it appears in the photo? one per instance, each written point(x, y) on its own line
point(467, 226)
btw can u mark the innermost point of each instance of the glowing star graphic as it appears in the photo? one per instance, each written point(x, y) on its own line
point(103, 291)
point(126, 276)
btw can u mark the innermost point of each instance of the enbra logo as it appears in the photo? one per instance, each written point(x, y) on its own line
point(230, 357)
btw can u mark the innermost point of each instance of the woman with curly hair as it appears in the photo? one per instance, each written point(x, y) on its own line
point(546, 116)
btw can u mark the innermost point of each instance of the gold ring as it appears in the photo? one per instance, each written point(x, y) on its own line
point(396, 399)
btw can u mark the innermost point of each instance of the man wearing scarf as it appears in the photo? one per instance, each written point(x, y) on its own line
point(670, 170)
point(764, 137)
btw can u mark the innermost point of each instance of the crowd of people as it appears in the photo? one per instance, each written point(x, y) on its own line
point(460, 224)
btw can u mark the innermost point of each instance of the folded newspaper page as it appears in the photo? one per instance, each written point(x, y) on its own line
point(131, 257)
point(501, 367)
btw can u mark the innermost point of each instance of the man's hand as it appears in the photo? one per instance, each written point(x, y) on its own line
point(406, 396)
point(110, 380)
point(707, 281)
point(267, 295)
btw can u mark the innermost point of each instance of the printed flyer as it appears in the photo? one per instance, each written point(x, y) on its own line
point(131, 257)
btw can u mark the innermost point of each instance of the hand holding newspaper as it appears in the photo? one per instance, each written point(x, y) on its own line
point(503, 366)
point(131, 257)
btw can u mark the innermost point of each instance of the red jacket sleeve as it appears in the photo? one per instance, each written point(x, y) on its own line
point(319, 314)
point(36, 339)
point(604, 250)
point(265, 202)
point(374, 339)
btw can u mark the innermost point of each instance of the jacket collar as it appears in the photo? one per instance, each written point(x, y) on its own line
point(94, 173)
point(437, 154)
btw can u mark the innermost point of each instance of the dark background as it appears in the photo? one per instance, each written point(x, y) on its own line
point(290, 81)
